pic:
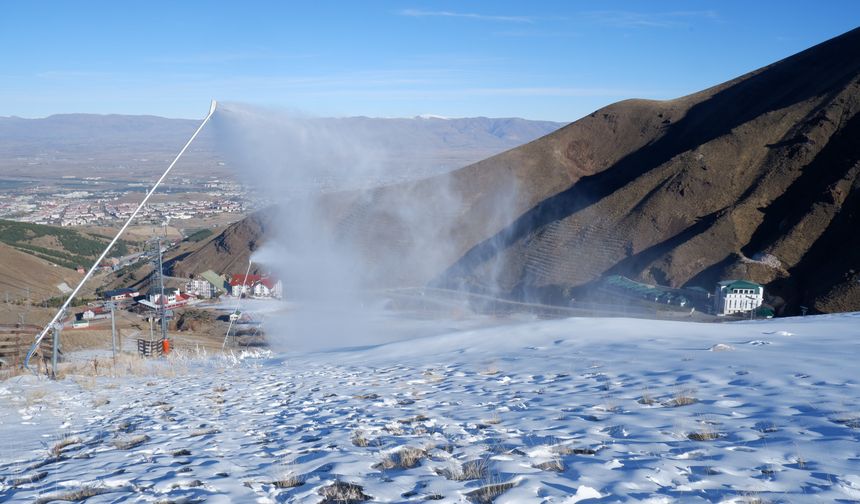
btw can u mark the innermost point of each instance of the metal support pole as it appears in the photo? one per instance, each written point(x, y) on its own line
point(162, 310)
point(54, 351)
point(113, 331)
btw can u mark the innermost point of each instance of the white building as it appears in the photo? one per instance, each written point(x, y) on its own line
point(737, 296)
point(255, 285)
point(200, 288)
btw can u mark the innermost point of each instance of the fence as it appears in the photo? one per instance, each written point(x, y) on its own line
point(151, 348)
point(15, 341)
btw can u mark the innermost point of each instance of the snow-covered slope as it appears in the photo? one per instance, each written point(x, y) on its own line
point(553, 411)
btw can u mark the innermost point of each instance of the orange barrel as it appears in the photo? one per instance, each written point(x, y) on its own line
point(165, 346)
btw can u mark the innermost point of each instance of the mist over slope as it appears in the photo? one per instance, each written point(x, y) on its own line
point(754, 178)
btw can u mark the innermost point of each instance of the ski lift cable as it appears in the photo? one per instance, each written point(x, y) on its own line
point(110, 245)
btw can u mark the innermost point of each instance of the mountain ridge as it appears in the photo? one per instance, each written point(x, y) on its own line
point(753, 178)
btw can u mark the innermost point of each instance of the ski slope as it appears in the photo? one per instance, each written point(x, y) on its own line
point(576, 410)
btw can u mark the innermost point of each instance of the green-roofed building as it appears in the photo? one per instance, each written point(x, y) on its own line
point(218, 281)
point(737, 296)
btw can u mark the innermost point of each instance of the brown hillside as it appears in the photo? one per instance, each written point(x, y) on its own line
point(227, 252)
point(20, 271)
point(754, 178)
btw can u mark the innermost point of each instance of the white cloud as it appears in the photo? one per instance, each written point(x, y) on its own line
point(632, 19)
point(467, 15)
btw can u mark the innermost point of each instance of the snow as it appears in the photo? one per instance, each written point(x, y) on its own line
point(564, 411)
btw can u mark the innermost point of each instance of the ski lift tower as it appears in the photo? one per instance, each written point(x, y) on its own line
point(156, 282)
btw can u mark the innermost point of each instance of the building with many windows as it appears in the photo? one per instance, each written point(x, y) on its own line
point(737, 296)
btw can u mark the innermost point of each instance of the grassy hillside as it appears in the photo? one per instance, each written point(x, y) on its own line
point(23, 276)
point(62, 246)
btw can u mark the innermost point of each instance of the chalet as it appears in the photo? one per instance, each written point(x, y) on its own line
point(172, 299)
point(95, 313)
point(121, 294)
point(255, 285)
point(267, 287)
point(737, 296)
point(242, 285)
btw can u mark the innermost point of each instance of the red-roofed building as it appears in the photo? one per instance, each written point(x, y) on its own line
point(172, 298)
point(255, 285)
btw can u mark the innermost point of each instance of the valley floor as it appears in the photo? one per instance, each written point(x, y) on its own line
point(592, 410)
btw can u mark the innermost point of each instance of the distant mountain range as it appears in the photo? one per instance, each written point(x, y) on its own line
point(756, 178)
point(74, 144)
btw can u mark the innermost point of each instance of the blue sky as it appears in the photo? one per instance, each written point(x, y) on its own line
point(538, 60)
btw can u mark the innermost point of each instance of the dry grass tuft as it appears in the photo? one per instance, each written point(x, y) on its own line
point(127, 443)
point(80, 494)
point(393, 429)
point(58, 447)
point(35, 396)
point(490, 370)
point(647, 399)
point(487, 494)
point(204, 432)
point(493, 420)
point(682, 398)
point(416, 418)
point(343, 493)
point(30, 478)
point(705, 435)
point(470, 470)
point(289, 480)
point(554, 465)
point(359, 439)
point(570, 450)
point(404, 458)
